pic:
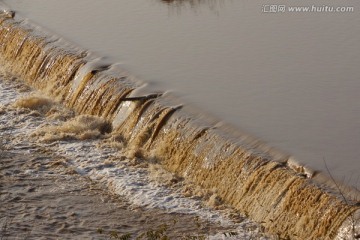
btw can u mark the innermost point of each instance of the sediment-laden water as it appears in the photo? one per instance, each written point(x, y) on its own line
point(121, 122)
point(289, 78)
point(76, 183)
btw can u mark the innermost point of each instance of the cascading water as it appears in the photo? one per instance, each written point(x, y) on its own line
point(254, 178)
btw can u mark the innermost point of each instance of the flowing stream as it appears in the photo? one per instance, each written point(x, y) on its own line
point(277, 93)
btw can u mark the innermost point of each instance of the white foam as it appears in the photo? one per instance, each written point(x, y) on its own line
point(117, 175)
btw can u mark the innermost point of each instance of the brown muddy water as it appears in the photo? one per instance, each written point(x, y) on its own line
point(288, 82)
point(56, 185)
point(42, 200)
point(289, 78)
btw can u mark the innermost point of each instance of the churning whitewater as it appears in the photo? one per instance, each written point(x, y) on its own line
point(60, 145)
point(120, 123)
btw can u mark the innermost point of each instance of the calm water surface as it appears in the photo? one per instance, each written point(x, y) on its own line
point(292, 79)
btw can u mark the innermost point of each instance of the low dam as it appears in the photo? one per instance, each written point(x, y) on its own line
point(263, 182)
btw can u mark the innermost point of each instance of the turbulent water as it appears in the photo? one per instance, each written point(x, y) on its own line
point(289, 78)
point(48, 156)
point(121, 122)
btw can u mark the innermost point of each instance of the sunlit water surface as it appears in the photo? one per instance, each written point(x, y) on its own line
point(291, 79)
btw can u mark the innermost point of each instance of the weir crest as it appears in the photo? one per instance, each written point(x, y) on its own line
point(262, 182)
